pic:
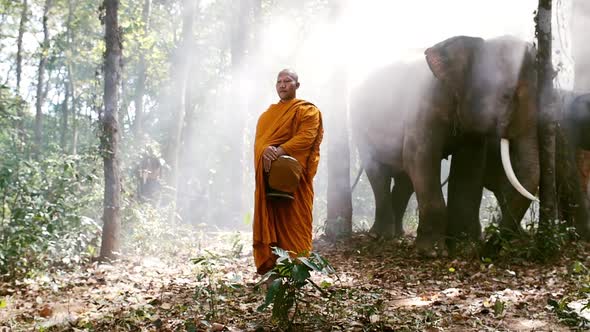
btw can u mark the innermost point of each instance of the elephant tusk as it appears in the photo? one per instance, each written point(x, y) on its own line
point(505, 153)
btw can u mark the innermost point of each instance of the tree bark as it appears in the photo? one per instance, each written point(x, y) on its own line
point(580, 47)
point(40, 81)
point(141, 76)
point(19, 61)
point(240, 30)
point(74, 108)
point(180, 78)
point(71, 78)
point(110, 133)
point(339, 193)
point(64, 118)
point(547, 116)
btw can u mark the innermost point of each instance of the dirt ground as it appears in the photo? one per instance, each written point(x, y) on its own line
point(378, 286)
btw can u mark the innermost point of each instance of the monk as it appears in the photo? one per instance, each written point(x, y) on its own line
point(292, 127)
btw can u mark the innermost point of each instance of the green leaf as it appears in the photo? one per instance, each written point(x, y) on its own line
point(198, 260)
point(300, 273)
point(498, 307)
point(578, 268)
point(271, 294)
point(313, 266)
point(282, 253)
point(3, 303)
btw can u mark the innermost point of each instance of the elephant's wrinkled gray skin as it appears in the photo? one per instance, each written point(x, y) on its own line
point(576, 119)
point(574, 133)
point(406, 120)
point(575, 122)
point(572, 138)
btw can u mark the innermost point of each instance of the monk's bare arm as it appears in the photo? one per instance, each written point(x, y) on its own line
point(306, 133)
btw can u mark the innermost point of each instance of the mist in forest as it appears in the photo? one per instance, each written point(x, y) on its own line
point(228, 67)
point(333, 50)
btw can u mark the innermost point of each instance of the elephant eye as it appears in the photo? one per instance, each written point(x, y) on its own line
point(507, 96)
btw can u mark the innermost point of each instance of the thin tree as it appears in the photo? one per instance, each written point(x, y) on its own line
point(141, 74)
point(580, 47)
point(110, 132)
point(339, 220)
point(71, 88)
point(41, 79)
point(240, 25)
point(64, 118)
point(178, 105)
point(547, 117)
point(19, 62)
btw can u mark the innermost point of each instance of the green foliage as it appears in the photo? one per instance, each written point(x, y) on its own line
point(287, 281)
point(45, 215)
point(538, 244)
point(579, 276)
point(567, 315)
point(146, 230)
point(213, 287)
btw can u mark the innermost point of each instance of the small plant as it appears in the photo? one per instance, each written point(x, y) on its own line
point(539, 244)
point(567, 315)
point(213, 286)
point(553, 238)
point(287, 282)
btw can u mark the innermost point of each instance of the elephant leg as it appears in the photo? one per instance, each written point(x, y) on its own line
point(424, 171)
point(513, 207)
point(401, 193)
point(380, 179)
point(465, 190)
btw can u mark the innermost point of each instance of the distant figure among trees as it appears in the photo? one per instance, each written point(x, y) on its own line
point(149, 172)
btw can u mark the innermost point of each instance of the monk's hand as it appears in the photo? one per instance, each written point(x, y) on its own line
point(268, 155)
point(280, 151)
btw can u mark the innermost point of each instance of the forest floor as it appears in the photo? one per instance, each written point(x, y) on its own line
point(378, 286)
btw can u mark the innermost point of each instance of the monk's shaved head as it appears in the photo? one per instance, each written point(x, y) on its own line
point(291, 73)
point(287, 84)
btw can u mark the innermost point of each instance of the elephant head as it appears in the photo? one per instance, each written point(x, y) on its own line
point(494, 85)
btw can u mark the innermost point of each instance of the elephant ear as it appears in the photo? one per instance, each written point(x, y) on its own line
point(450, 59)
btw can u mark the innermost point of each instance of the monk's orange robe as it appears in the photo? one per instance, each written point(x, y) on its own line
point(296, 126)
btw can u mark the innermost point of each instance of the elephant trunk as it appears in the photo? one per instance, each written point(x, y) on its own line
point(505, 153)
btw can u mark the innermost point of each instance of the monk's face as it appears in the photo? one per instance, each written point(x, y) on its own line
point(286, 86)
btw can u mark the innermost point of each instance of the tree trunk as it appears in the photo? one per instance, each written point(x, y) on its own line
point(71, 77)
point(40, 81)
point(580, 47)
point(141, 76)
point(339, 221)
point(180, 77)
point(110, 134)
point(339, 195)
point(547, 117)
point(74, 109)
point(19, 61)
point(64, 118)
point(187, 188)
point(240, 29)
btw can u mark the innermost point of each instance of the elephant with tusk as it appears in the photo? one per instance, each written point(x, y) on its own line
point(572, 175)
point(467, 93)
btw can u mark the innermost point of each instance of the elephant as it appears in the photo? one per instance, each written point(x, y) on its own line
point(574, 121)
point(573, 134)
point(576, 118)
point(409, 116)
